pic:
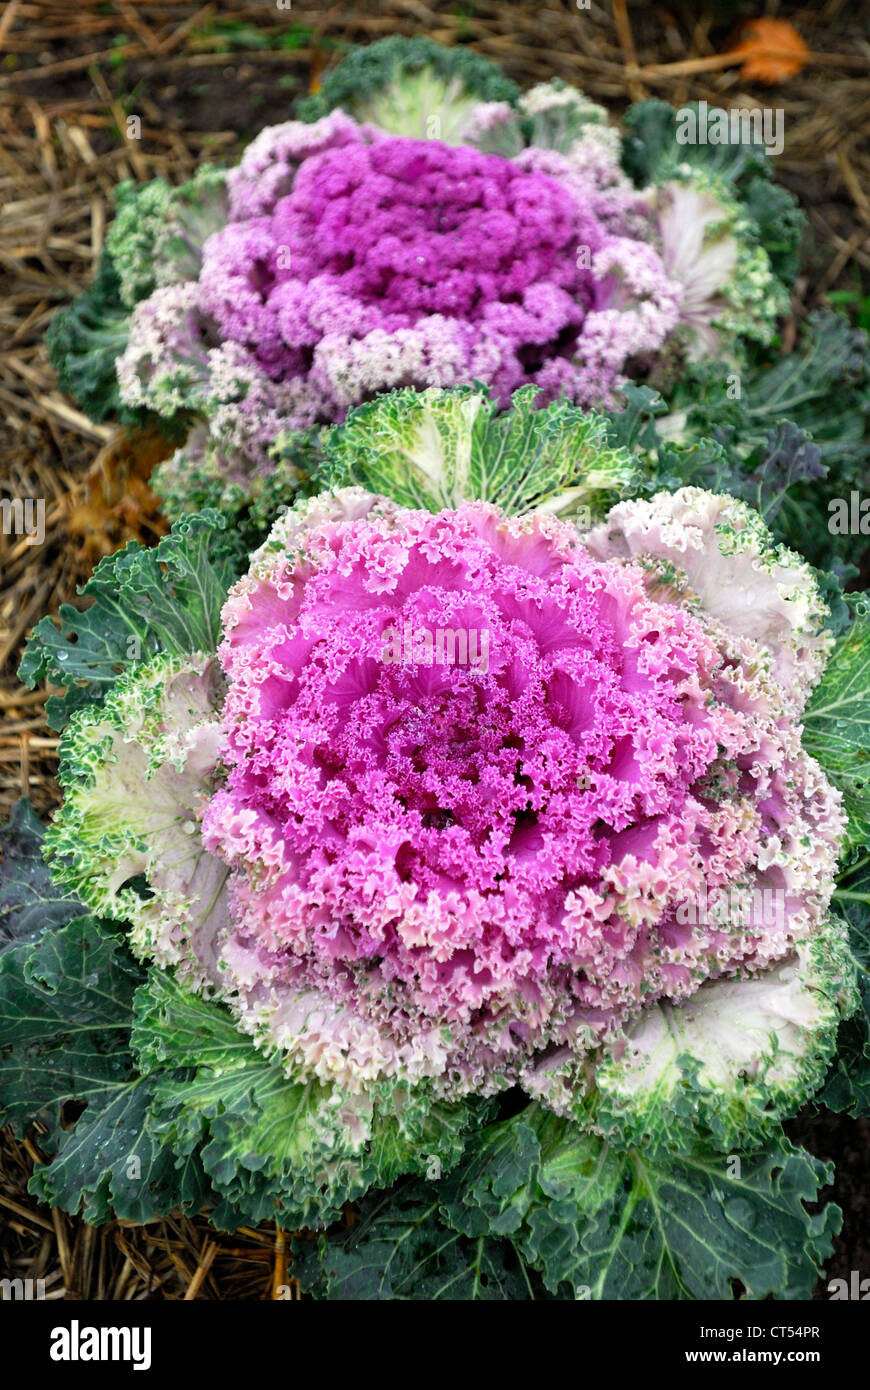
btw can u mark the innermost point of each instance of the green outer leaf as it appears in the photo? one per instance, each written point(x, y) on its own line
point(65, 1007)
point(797, 436)
point(198, 479)
point(837, 725)
point(85, 339)
point(852, 899)
point(733, 1060)
point(780, 221)
point(158, 231)
point(400, 1250)
point(651, 152)
point(168, 599)
point(848, 1083)
point(140, 211)
point(271, 1145)
point(215, 1098)
point(65, 1013)
point(625, 1226)
point(113, 1163)
point(400, 83)
point(29, 902)
point(823, 388)
point(676, 1234)
point(188, 1111)
point(437, 448)
point(155, 238)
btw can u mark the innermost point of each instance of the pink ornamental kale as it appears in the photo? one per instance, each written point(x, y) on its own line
point(475, 773)
point(355, 262)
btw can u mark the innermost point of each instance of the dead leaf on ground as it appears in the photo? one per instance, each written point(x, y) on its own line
point(318, 63)
point(114, 503)
point(773, 49)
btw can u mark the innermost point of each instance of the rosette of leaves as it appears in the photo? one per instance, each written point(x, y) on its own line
point(245, 314)
point(558, 1167)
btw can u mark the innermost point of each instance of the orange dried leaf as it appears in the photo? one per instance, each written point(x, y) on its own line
point(773, 50)
point(114, 503)
point(318, 63)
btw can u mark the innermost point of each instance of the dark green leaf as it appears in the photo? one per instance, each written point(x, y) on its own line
point(848, 1083)
point(272, 1146)
point(837, 724)
point(399, 1249)
point(652, 153)
point(84, 341)
point(65, 1011)
point(29, 901)
point(112, 1163)
point(168, 599)
point(623, 1226)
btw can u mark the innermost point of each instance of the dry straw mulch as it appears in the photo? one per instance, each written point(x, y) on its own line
point(175, 1258)
point(203, 78)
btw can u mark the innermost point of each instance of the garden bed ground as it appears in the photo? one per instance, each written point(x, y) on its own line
point(204, 78)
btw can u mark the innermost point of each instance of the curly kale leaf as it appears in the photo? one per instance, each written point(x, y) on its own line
point(765, 479)
point(144, 602)
point(837, 719)
point(273, 1146)
point(614, 1225)
point(201, 477)
point(848, 1083)
point(780, 223)
point(155, 239)
point(788, 436)
point(399, 84)
point(437, 448)
point(823, 388)
point(84, 340)
point(653, 150)
point(65, 1010)
point(177, 1107)
point(29, 902)
point(401, 1249)
point(158, 232)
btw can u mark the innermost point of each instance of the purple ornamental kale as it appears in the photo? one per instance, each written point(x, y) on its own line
point(355, 262)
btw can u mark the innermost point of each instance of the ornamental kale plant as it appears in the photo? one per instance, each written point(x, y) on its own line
point(423, 223)
point(354, 261)
point(469, 852)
